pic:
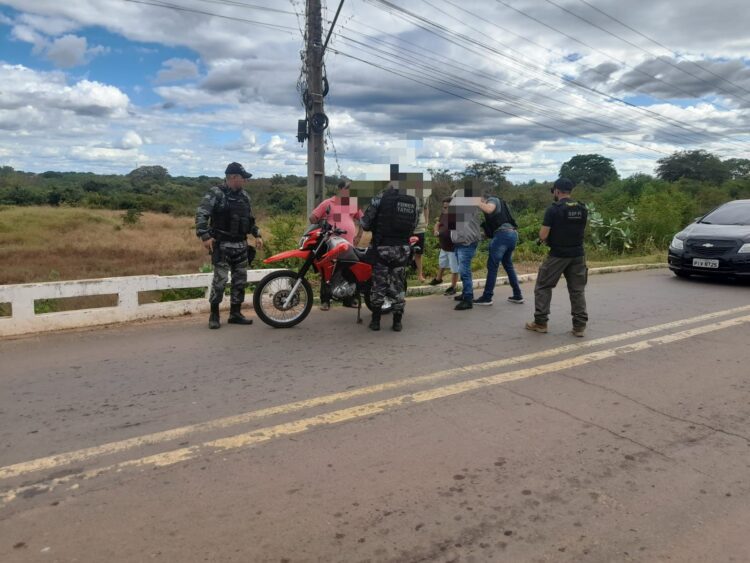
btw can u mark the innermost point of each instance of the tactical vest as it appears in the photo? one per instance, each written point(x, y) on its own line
point(497, 218)
point(568, 230)
point(231, 219)
point(396, 218)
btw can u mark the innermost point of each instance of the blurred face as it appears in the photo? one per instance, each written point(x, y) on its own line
point(445, 207)
point(235, 181)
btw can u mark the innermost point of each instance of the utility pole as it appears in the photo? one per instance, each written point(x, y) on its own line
point(316, 118)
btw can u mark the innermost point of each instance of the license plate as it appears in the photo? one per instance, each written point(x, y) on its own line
point(703, 263)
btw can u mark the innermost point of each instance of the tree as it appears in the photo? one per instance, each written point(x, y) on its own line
point(592, 169)
point(490, 172)
point(738, 167)
point(694, 165)
point(148, 175)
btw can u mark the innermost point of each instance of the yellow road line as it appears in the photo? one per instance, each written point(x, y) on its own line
point(369, 409)
point(60, 460)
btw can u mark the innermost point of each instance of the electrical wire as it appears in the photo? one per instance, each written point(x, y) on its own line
point(580, 42)
point(665, 61)
point(461, 40)
point(201, 12)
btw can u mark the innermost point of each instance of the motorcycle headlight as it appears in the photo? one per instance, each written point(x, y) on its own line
point(677, 244)
point(744, 249)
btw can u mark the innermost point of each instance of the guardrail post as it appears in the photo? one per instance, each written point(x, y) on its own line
point(22, 309)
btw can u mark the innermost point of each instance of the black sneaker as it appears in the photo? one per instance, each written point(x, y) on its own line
point(450, 291)
point(434, 281)
point(459, 297)
point(483, 301)
point(463, 305)
point(517, 300)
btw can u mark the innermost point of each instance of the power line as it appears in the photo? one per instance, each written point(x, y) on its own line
point(575, 39)
point(622, 23)
point(249, 6)
point(459, 39)
point(668, 62)
point(212, 14)
point(479, 103)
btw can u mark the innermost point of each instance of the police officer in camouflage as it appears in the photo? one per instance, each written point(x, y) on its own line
point(392, 217)
point(223, 220)
point(562, 229)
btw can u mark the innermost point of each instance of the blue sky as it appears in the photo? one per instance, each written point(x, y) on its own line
point(106, 85)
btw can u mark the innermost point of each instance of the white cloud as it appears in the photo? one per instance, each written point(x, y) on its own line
point(130, 140)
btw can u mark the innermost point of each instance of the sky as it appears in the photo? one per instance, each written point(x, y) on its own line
point(109, 85)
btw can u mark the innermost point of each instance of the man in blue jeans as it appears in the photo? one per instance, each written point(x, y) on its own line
point(502, 230)
point(465, 238)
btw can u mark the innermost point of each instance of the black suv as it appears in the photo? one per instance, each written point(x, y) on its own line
point(716, 244)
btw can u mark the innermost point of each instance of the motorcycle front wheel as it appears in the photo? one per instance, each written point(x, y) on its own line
point(271, 294)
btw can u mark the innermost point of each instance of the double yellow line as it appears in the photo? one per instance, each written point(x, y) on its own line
point(356, 412)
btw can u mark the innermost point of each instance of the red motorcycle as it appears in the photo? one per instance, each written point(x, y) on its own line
point(284, 298)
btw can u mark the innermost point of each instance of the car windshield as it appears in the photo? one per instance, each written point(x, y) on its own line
point(729, 214)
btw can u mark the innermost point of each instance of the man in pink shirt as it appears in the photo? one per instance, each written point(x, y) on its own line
point(342, 212)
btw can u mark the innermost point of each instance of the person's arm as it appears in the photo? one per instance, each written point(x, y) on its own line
point(487, 207)
point(202, 219)
point(368, 219)
point(546, 224)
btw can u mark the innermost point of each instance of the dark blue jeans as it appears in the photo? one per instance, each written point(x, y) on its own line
point(465, 253)
point(501, 252)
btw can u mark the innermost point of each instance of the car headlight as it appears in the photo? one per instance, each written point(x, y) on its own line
point(744, 249)
point(678, 244)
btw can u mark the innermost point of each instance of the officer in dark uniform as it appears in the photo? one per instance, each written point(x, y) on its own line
point(392, 217)
point(562, 229)
point(223, 220)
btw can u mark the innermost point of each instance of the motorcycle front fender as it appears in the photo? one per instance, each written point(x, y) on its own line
point(296, 253)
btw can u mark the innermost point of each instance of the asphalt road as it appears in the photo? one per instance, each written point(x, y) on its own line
point(464, 438)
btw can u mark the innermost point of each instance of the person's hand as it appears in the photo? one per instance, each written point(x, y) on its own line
point(259, 243)
point(208, 244)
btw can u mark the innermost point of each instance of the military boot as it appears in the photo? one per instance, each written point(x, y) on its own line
point(397, 326)
point(375, 322)
point(213, 319)
point(236, 317)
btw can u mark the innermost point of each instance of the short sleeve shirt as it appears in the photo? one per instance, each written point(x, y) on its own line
point(341, 215)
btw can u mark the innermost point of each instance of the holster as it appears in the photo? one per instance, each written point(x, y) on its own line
point(251, 252)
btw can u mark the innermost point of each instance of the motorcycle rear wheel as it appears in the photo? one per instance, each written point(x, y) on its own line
point(272, 291)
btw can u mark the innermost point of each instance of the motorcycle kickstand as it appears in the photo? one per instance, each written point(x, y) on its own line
point(359, 309)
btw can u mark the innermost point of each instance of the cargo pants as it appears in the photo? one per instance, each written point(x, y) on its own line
point(576, 275)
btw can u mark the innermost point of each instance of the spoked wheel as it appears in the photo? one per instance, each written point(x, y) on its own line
point(271, 295)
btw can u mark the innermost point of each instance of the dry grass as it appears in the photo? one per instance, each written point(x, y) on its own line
point(58, 243)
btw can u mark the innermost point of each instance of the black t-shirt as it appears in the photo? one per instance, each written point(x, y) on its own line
point(567, 222)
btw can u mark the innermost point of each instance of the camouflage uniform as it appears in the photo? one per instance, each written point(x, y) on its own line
point(230, 251)
point(389, 276)
point(391, 217)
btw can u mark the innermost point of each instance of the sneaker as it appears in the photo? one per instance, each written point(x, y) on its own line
point(459, 297)
point(463, 305)
point(450, 291)
point(536, 327)
point(325, 306)
point(517, 300)
point(483, 301)
point(435, 281)
point(578, 331)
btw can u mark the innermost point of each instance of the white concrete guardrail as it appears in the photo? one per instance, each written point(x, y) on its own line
point(25, 320)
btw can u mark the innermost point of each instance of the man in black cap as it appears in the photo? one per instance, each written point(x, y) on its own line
point(223, 220)
point(562, 229)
